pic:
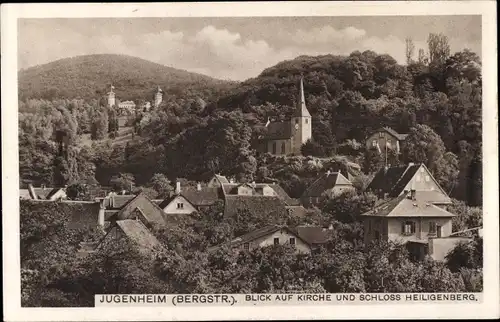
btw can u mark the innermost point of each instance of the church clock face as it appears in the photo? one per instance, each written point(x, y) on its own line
point(296, 126)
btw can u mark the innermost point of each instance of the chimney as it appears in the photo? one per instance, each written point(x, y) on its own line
point(32, 192)
point(198, 186)
point(100, 220)
point(178, 187)
point(253, 184)
point(327, 173)
point(413, 194)
point(330, 227)
point(43, 187)
point(411, 164)
point(231, 180)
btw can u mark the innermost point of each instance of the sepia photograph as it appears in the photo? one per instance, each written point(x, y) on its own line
point(233, 155)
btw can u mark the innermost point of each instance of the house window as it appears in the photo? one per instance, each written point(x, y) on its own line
point(427, 178)
point(408, 228)
point(369, 225)
point(307, 121)
point(292, 241)
point(180, 205)
point(276, 241)
point(389, 143)
point(374, 143)
point(417, 178)
point(377, 235)
point(274, 147)
point(432, 228)
point(283, 148)
point(381, 135)
point(296, 121)
point(246, 246)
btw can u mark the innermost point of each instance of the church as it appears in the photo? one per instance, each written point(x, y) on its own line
point(287, 138)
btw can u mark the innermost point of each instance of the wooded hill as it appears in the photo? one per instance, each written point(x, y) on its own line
point(89, 76)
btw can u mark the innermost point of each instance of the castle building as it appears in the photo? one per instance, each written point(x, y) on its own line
point(287, 138)
point(158, 97)
point(111, 97)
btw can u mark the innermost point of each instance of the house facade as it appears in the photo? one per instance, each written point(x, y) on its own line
point(269, 236)
point(423, 227)
point(287, 138)
point(385, 137)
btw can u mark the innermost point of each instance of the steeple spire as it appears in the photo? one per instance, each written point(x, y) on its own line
point(301, 109)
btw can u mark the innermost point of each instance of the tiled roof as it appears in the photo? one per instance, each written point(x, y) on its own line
point(313, 234)
point(24, 194)
point(403, 206)
point(384, 181)
point(403, 181)
point(117, 201)
point(258, 205)
point(53, 192)
point(278, 131)
point(436, 197)
point(138, 233)
point(283, 195)
point(152, 212)
point(324, 182)
point(204, 197)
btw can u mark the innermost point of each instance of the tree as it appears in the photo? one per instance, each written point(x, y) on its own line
point(348, 206)
point(161, 184)
point(122, 182)
point(439, 49)
point(78, 191)
point(468, 254)
point(410, 50)
point(423, 145)
point(99, 128)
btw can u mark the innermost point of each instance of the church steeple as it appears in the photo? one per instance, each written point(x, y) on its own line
point(301, 109)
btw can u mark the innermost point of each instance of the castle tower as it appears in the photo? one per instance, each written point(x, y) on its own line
point(111, 97)
point(301, 122)
point(158, 97)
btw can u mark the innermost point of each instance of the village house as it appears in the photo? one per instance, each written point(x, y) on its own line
point(117, 207)
point(412, 220)
point(328, 185)
point(126, 107)
point(315, 236)
point(268, 236)
point(287, 138)
point(42, 193)
point(385, 137)
point(187, 200)
point(396, 181)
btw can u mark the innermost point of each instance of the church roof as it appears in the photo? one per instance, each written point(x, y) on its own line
point(278, 131)
point(301, 109)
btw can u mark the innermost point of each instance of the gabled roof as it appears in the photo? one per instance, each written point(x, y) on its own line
point(324, 182)
point(152, 212)
point(278, 131)
point(314, 234)
point(393, 181)
point(403, 206)
point(258, 205)
point(282, 194)
point(170, 199)
point(136, 232)
point(385, 180)
point(392, 132)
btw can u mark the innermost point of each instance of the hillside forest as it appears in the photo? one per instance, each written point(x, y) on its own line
point(209, 127)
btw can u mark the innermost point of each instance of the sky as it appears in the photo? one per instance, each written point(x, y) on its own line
point(236, 48)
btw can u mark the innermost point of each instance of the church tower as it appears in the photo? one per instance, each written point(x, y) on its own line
point(111, 97)
point(301, 122)
point(158, 97)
